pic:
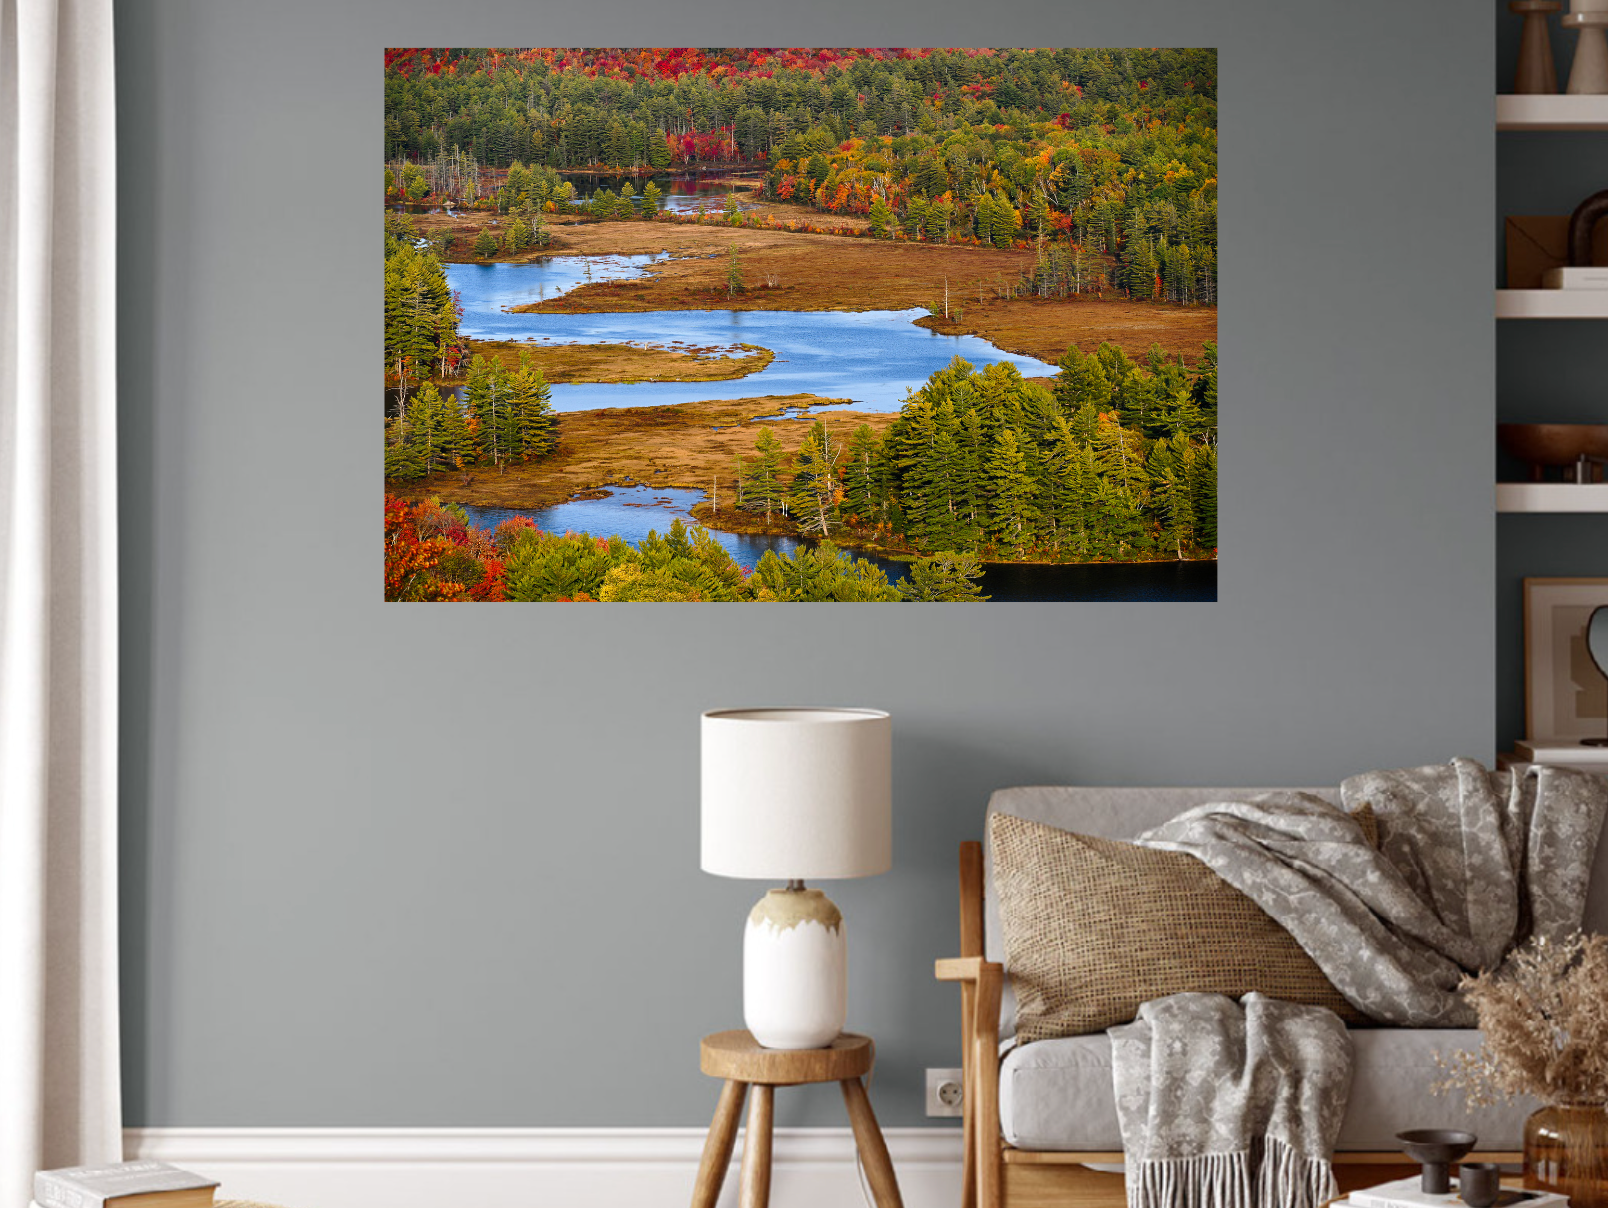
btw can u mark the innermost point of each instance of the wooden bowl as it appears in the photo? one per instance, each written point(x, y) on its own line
point(1554, 444)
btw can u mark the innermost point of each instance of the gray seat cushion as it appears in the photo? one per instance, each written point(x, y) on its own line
point(1056, 1094)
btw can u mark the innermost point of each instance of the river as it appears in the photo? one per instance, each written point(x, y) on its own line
point(633, 512)
point(874, 357)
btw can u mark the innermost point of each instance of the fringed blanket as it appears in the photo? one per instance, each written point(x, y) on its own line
point(1228, 1108)
point(1230, 1105)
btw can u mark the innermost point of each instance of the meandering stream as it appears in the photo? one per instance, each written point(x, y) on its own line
point(873, 357)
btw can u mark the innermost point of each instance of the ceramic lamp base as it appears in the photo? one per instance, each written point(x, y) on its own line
point(795, 970)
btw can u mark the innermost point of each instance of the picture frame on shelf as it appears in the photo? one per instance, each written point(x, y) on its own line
point(1565, 695)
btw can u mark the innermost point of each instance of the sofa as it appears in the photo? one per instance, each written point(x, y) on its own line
point(1040, 1118)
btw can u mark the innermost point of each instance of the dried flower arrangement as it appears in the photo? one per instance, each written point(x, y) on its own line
point(1545, 1018)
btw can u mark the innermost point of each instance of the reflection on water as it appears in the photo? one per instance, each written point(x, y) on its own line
point(632, 512)
point(874, 357)
point(493, 288)
point(680, 194)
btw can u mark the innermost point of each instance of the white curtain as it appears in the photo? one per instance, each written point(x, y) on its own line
point(59, 1083)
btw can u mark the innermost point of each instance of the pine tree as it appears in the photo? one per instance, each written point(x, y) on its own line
point(651, 200)
point(532, 422)
point(812, 494)
point(485, 245)
point(731, 211)
point(860, 485)
point(626, 207)
point(947, 577)
point(881, 218)
point(402, 461)
point(1172, 496)
point(490, 404)
point(1010, 493)
point(658, 150)
point(734, 274)
point(1202, 473)
point(762, 485)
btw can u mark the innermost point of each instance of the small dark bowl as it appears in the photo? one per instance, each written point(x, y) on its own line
point(1554, 444)
point(1436, 1149)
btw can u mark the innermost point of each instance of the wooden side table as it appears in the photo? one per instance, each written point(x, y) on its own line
point(742, 1062)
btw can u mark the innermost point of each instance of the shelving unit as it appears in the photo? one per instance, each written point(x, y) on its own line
point(1551, 497)
point(1560, 112)
point(1552, 304)
point(1549, 152)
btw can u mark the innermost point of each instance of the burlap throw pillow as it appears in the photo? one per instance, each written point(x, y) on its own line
point(1094, 927)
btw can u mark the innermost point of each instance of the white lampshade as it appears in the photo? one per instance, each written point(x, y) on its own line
point(797, 793)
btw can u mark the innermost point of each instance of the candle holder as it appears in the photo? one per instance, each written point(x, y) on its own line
point(1589, 75)
point(1537, 73)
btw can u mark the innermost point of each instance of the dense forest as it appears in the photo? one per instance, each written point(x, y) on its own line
point(432, 553)
point(1104, 159)
point(1117, 463)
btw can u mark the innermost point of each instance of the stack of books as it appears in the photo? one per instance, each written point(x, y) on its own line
point(1407, 1193)
point(125, 1185)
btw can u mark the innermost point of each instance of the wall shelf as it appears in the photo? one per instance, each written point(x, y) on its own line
point(1552, 497)
point(1552, 304)
point(1561, 112)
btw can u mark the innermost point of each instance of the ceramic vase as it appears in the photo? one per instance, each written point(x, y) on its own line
point(795, 970)
point(1566, 1150)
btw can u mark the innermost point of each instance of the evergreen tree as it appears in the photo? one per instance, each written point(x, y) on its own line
point(812, 494)
point(860, 479)
point(734, 274)
point(497, 431)
point(1202, 473)
point(762, 486)
point(948, 577)
point(485, 245)
point(1010, 493)
point(658, 150)
point(881, 218)
point(651, 200)
point(532, 426)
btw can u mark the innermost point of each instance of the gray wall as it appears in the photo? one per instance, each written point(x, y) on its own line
point(438, 866)
point(1552, 372)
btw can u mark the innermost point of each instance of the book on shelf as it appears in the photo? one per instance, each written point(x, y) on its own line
point(123, 1185)
point(1408, 1193)
point(1560, 750)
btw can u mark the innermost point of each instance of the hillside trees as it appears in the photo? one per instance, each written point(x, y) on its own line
point(1109, 158)
point(1117, 462)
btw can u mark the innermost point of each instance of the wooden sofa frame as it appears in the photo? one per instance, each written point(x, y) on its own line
point(998, 1175)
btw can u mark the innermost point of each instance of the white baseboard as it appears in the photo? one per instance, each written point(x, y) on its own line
point(534, 1167)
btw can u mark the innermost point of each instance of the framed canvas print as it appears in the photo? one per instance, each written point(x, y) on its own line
point(1566, 696)
point(824, 325)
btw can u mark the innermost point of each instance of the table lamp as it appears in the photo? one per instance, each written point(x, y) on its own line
point(795, 795)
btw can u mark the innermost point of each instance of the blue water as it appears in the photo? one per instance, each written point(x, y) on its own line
point(680, 194)
point(874, 357)
point(632, 512)
point(491, 288)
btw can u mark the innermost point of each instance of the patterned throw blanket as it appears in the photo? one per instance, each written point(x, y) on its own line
point(1238, 1106)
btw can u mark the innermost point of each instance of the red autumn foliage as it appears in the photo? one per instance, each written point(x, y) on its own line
point(418, 536)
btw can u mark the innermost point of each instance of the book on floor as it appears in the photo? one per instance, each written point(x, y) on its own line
point(123, 1185)
point(1407, 1193)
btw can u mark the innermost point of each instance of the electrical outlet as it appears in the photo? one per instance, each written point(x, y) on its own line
point(946, 1093)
